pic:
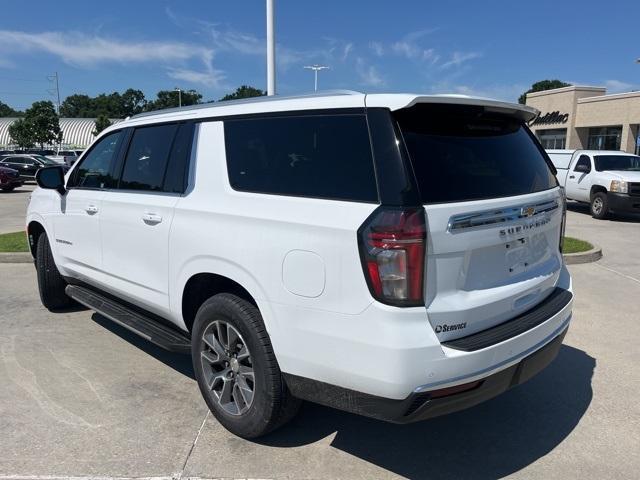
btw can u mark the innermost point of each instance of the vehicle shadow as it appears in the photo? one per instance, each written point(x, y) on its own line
point(488, 441)
point(179, 362)
point(616, 217)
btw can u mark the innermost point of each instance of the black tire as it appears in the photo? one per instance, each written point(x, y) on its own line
point(8, 189)
point(599, 206)
point(50, 283)
point(272, 404)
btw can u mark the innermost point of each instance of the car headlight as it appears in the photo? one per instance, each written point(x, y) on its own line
point(619, 186)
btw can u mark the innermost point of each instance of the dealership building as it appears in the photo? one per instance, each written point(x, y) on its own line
point(584, 117)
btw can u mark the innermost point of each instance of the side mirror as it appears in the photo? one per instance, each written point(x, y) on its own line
point(582, 168)
point(51, 178)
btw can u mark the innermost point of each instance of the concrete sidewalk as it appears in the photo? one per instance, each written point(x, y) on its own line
point(83, 397)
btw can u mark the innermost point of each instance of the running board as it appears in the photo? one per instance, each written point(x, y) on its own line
point(163, 336)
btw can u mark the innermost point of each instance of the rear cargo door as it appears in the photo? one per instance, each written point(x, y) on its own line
point(493, 214)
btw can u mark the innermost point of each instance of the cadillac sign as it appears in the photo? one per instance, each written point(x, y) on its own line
point(551, 117)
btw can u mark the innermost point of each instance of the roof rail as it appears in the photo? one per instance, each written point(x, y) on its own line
point(214, 104)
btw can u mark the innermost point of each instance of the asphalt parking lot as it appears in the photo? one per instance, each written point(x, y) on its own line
point(82, 397)
point(13, 206)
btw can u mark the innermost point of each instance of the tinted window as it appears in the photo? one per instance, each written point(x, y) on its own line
point(462, 153)
point(178, 167)
point(14, 160)
point(324, 156)
point(96, 167)
point(583, 160)
point(146, 160)
point(629, 163)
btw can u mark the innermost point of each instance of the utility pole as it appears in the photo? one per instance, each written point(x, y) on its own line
point(179, 96)
point(316, 68)
point(271, 50)
point(54, 78)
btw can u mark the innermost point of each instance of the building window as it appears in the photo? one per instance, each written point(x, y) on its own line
point(553, 138)
point(605, 138)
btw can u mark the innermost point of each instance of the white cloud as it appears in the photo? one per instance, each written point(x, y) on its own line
point(377, 47)
point(458, 58)
point(348, 48)
point(506, 92)
point(617, 86)
point(84, 50)
point(369, 74)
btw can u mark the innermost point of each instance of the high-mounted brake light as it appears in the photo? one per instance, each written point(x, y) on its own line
point(392, 248)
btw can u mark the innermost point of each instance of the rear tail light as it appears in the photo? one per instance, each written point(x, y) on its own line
point(392, 248)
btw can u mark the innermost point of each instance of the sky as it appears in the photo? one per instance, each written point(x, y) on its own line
point(490, 48)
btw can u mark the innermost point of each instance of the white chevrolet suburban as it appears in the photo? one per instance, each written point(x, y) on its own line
point(606, 180)
point(393, 255)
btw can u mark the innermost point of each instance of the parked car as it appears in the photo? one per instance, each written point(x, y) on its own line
point(606, 180)
point(27, 165)
point(9, 179)
point(396, 256)
point(64, 157)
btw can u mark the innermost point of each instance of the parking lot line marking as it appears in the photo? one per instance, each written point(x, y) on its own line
point(617, 272)
point(178, 476)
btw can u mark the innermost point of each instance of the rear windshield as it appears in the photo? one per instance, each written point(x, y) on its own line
point(461, 153)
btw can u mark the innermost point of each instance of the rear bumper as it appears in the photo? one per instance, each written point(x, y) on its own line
point(423, 405)
point(622, 202)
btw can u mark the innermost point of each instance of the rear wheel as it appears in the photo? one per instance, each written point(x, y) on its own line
point(599, 205)
point(236, 368)
point(50, 283)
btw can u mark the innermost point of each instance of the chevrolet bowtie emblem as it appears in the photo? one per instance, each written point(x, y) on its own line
point(527, 211)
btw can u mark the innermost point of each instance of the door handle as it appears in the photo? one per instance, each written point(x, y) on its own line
point(572, 176)
point(151, 218)
point(91, 209)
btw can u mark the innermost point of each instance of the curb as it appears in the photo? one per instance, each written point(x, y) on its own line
point(589, 256)
point(15, 257)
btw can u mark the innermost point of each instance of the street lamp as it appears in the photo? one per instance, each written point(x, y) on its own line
point(271, 49)
point(316, 68)
point(179, 96)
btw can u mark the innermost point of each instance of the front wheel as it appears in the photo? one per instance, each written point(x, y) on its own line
point(236, 368)
point(51, 285)
point(599, 205)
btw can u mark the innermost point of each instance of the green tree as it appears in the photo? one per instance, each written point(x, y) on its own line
point(169, 99)
point(102, 122)
point(7, 111)
point(133, 102)
point(21, 133)
point(77, 106)
point(113, 105)
point(45, 125)
point(245, 91)
point(541, 86)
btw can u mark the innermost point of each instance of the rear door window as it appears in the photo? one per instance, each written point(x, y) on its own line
point(319, 156)
point(146, 161)
point(461, 153)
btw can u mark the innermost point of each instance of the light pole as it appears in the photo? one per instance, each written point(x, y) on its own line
point(179, 96)
point(316, 68)
point(271, 50)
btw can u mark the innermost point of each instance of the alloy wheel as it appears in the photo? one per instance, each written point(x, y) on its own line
point(227, 366)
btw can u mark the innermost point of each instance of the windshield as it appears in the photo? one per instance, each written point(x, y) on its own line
point(45, 160)
point(461, 153)
point(623, 163)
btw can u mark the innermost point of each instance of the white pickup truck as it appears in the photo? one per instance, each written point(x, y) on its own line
point(607, 180)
